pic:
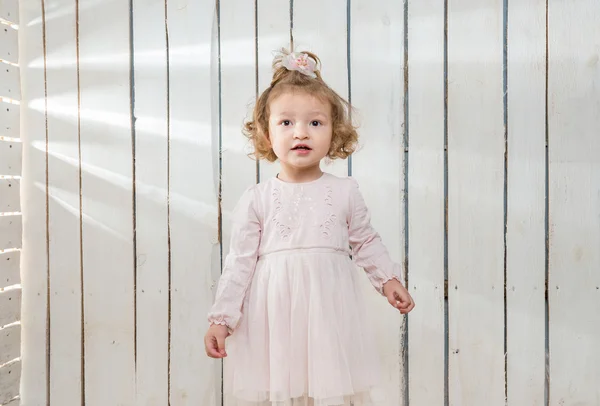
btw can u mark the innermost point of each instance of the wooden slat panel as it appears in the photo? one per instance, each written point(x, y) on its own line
point(107, 164)
point(10, 306)
point(194, 219)
point(9, 10)
point(10, 199)
point(10, 376)
point(426, 201)
point(238, 90)
point(10, 158)
point(151, 203)
point(574, 202)
point(525, 233)
point(10, 343)
point(9, 269)
point(475, 203)
point(9, 120)
point(273, 34)
point(9, 82)
point(376, 27)
point(9, 44)
point(10, 232)
point(63, 207)
point(34, 255)
point(315, 30)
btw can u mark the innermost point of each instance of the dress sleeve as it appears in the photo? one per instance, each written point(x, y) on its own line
point(240, 263)
point(368, 250)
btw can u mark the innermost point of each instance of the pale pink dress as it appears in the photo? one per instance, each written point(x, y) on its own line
point(290, 294)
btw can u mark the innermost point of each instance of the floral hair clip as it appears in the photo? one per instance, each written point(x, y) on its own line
point(297, 61)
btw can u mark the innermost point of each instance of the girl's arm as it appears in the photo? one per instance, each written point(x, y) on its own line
point(368, 250)
point(240, 263)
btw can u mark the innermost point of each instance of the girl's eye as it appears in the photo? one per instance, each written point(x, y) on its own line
point(315, 123)
point(286, 122)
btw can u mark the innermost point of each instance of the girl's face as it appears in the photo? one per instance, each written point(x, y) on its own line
point(300, 130)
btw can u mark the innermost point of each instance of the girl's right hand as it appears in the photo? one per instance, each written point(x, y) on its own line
point(214, 341)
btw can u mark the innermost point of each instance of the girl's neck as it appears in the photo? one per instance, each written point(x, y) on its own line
point(299, 175)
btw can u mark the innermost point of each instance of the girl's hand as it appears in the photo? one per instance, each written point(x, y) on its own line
point(398, 296)
point(214, 341)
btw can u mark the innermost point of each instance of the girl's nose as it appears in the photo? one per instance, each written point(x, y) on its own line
point(300, 132)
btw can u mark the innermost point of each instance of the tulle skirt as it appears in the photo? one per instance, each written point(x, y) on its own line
point(304, 339)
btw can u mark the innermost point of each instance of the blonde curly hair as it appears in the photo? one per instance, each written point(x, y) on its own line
point(344, 137)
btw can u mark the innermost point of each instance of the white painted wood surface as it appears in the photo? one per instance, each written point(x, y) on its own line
point(107, 203)
point(10, 306)
point(9, 82)
point(9, 10)
point(426, 205)
point(10, 269)
point(9, 44)
point(34, 379)
point(10, 376)
point(195, 252)
point(9, 120)
point(574, 203)
point(10, 232)
point(525, 230)
point(377, 29)
point(11, 153)
point(274, 28)
point(151, 206)
point(9, 195)
point(64, 235)
point(10, 343)
point(475, 203)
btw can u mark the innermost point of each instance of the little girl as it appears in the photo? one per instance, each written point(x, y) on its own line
point(289, 295)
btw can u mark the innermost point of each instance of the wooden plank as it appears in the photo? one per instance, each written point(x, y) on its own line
point(10, 343)
point(426, 333)
point(10, 306)
point(10, 158)
point(195, 250)
point(9, 268)
point(10, 376)
point(273, 34)
point(34, 255)
point(315, 30)
point(9, 120)
point(9, 44)
point(238, 91)
point(9, 82)
point(10, 231)
point(10, 199)
point(525, 230)
point(376, 27)
point(9, 10)
point(107, 201)
point(151, 108)
point(475, 203)
point(574, 203)
point(63, 208)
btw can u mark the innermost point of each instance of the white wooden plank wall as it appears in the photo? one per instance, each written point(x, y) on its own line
point(574, 202)
point(11, 223)
point(426, 202)
point(474, 154)
point(525, 210)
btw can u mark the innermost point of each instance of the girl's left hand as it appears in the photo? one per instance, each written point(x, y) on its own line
point(398, 296)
